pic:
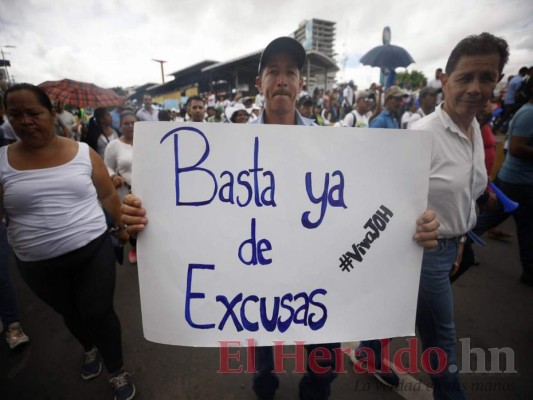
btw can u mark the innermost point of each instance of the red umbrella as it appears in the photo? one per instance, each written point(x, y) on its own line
point(80, 94)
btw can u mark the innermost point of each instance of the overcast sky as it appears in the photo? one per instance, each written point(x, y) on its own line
point(112, 42)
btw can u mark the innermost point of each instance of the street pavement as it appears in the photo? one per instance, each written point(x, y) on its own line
point(493, 311)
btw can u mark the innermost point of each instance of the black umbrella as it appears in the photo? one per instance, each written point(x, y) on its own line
point(387, 56)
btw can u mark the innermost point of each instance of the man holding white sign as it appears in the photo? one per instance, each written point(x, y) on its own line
point(280, 81)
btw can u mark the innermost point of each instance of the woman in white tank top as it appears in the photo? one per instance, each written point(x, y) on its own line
point(50, 189)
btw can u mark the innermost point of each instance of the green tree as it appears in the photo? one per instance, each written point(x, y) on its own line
point(413, 78)
point(120, 91)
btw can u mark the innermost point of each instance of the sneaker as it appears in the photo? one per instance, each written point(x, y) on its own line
point(389, 379)
point(92, 365)
point(15, 336)
point(132, 256)
point(122, 386)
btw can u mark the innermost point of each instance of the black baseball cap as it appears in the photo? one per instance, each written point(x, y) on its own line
point(306, 100)
point(283, 44)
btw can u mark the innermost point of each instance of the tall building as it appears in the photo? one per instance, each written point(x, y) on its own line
point(317, 35)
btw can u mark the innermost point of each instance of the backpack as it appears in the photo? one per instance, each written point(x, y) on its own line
point(354, 119)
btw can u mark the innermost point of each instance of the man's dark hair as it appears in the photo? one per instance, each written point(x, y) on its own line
point(197, 98)
point(523, 71)
point(478, 45)
point(163, 115)
point(426, 91)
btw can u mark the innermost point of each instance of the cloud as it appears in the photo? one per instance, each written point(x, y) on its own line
point(526, 43)
point(113, 42)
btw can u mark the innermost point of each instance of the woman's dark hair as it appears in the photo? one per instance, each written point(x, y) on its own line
point(127, 113)
point(41, 95)
point(94, 128)
point(99, 114)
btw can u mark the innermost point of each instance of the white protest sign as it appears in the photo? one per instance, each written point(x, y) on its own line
point(273, 232)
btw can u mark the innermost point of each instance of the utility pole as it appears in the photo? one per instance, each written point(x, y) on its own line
point(6, 63)
point(162, 71)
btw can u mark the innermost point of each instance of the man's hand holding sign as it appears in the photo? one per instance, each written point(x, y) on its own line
point(325, 191)
point(333, 196)
point(252, 230)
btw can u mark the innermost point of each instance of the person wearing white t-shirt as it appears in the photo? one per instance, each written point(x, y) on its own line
point(408, 114)
point(427, 99)
point(118, 160)
point(436, 84)
point(66, 117)
point(359, 117)
point(348, 97)
point(148, 111)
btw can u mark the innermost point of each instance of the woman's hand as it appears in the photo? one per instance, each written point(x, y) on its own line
point(120, 234)
point(133, 215)
point(117, 180)
point(123, 236)
point(427, 232)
